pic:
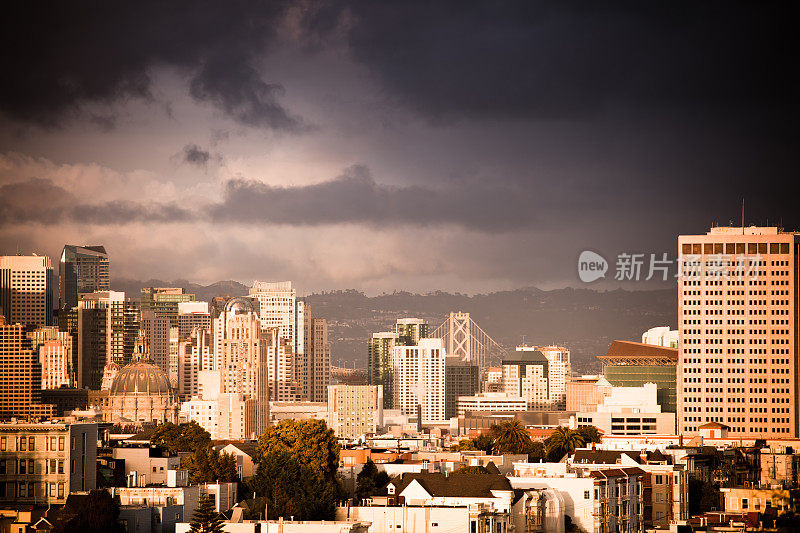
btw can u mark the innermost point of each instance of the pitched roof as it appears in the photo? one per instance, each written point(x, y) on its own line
point(603, 457)
point(456, 485)
point(250, 448)
point(713, 425)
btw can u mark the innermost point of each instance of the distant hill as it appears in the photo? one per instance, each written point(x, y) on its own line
point(584, 320)
point(133, 288)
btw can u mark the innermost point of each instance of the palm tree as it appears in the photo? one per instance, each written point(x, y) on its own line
point(590, 434)
point(510, 437)
point(563, 441)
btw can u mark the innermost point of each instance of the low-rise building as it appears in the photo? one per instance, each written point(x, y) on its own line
point(629, 411)
point(146, 465)
point(491, 402)
point(596, 501)
point(187, 496)
point(759, 499)
point(44, 462)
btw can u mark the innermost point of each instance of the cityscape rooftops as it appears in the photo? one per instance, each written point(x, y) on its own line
point(637, 353)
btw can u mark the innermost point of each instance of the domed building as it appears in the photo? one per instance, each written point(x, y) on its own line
point(140, 392)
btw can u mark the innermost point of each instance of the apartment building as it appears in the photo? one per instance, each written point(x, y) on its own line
point(44, 462)
point(737, 318)
point(26, 293)
point(418, 380)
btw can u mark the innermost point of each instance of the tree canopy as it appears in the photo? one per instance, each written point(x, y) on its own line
point(309, 442)
point(563, 441)
point(206, 519)
point(205, 464)
point(97, 512)
point(181, 438)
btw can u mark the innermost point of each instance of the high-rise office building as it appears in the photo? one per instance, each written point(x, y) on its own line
point(55, 355)
point(460, 379)
point(26, 289)
point(81, 269)
point(525, 375)
point(194, 355)
point(241, 359)
point(101, 335)
point(737, 318)
point(410, 330)
point(163, 301)
point(280, 308)
point(418, 380)
point(379, 363)
point(132, 318)
point(314, 374)
point(559, 372)
point(156, 331)
point(192, 315)
point(20, 375)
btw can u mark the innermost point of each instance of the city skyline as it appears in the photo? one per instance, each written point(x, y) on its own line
point(319, 144)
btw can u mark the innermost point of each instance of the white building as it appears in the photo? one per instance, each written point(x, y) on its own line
point(596, 501)
point(55, 354)
point(559, 372)
point(628, 411)
point(491, 401)
point(525, 375)
point(195, 354)
point(280, 308)
point(418, 379)
point(26, 295)
point(355, 410)
point(661, 336)
point(226, 416)
point(243, 356)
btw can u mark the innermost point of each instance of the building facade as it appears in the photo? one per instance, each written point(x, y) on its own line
point(737, 318)
point(460, 379)
point(379, 363)
point(20, 375)
point(43, 463)
point(355, 410)
point(632, 364)
point(26, 289)
point(81, 269)
point(418, 380)
point(314, 373)
point(491, 402)
point(163, 301)
point(55, 355)
point(243, 359)
point(559, 373)
point(526, 376)
point(101, 335)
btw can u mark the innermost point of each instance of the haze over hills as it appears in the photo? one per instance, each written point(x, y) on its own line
point(584, 320)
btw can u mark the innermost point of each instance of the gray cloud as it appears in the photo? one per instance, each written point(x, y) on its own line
point(195, 155)
point(353, 197)
point(40, 201)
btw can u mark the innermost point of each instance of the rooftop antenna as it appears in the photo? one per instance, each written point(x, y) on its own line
point(742, 215)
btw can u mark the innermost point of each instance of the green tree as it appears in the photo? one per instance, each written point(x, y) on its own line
point(206, 519)
point(293, 489)
point(703, 496)
point(310, 442)
point(590, 434)
point(483, 442)
point(470, 470)
point(365, 481)
point(206, 465)
point(181, 438)
point(510, 437)
point(563, 441)
point(537, 451)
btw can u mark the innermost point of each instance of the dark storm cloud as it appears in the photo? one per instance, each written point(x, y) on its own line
point(568, 59)
point(354, 198)
point(195, 155)
point(40, 201)
point(60, 57)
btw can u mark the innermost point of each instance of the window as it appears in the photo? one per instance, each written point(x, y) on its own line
point(659, 480)
point(61, 467)
point(586, 495)
point(61, 444)
point(60, 490)
point(53, 490)
point(31, 443)
point(154, 469)
point(744, 503)
point(3, 444)
point(52, 444)
point(23, 444)
point(22, 469)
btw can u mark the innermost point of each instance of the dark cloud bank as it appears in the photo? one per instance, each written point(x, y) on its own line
point(354, 197)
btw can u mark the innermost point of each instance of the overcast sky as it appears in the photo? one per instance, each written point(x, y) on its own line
point(457, 146)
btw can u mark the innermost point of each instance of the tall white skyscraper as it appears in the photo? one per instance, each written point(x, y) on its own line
point(241, 359)
point(526, 375)
point(418, 380)
point(194, 355)
point(280, 308)
point(26, 289)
